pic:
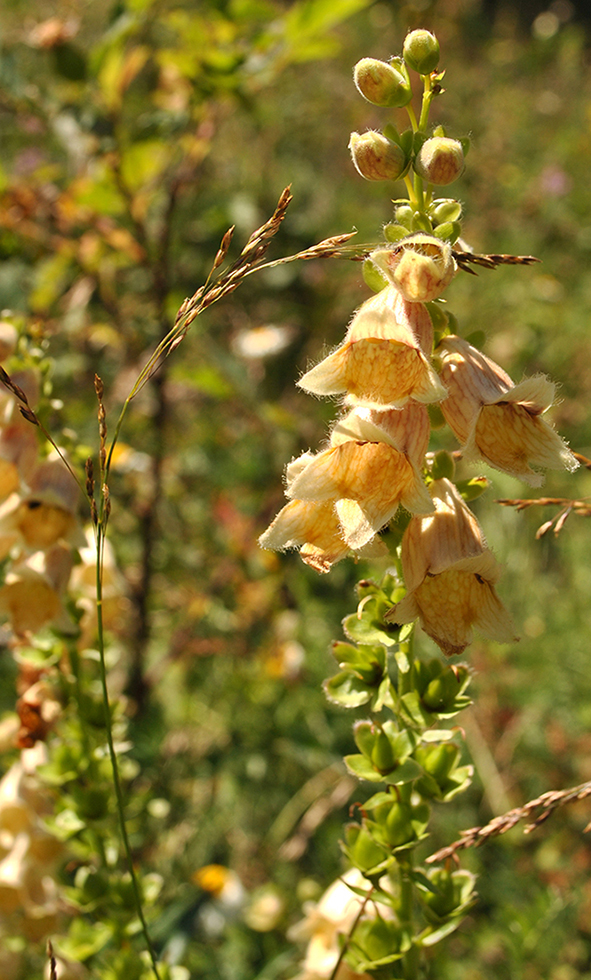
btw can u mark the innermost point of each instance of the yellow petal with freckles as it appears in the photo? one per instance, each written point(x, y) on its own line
point(312, 527)
point(451, 603)
point(511, 439)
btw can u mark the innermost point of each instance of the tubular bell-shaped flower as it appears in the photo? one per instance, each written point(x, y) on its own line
point(343, 495)
point(496, 420)
point(384, 359)
point(450, 576)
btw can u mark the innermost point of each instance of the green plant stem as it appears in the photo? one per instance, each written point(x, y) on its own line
point(411, 959)
point(426, 103)
point(112, 753)
point(412, 117)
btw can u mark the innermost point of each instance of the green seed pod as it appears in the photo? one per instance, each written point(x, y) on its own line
point(381, 83)
point(448, 231)
point(442, 691)
point(398, 827)
point(382, 755)
point(443, 466)
point(440, 760)
point(403, 215)
point(421, 51)
point(394, 232)
point(375, 157)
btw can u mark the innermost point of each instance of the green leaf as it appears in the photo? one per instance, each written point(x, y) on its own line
point(404, 773)
point(361, 767)
point(346, 689)
point(84, 939)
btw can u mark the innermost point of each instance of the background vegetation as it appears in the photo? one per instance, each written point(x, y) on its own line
point(131, 136)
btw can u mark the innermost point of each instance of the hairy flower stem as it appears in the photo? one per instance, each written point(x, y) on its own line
point(100, 543)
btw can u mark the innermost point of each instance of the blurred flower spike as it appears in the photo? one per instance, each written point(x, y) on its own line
point(328, 921)
point(450, 576)
point(498, 421)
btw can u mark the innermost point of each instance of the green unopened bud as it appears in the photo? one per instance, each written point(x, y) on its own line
point(375, 157)
point(399, 828)
point(382, 755)
point(421, 51)
point(440, 160)
point(445, 209)
point(441, 692)
point(382, 83)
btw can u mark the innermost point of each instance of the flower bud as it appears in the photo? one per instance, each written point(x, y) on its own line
point(382, 83)
point(375, 157)
point(420, 267)
point(440, 160)
point(421, 51)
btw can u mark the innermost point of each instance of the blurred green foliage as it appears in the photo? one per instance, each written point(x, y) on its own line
point(131, 136)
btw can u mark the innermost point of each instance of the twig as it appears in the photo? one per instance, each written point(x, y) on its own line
point(547, 803)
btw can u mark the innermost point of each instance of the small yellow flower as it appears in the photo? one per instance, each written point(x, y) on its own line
point(384, 359)
point(420, 266)
point(498, 421)
point(450, 575)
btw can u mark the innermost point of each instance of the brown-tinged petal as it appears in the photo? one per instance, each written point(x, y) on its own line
point(450, 575)
point(313, 528)
point(452, 603)
point(498, 421)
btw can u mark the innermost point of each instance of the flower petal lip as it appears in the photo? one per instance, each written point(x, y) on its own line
point(311, 526)
point(450, 576)
point(496, 420)
point(453, 603)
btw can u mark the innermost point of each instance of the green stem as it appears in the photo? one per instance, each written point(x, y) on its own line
point(411, 959)
point(112, 753)
point(412, 117)
point(426, 103)
point(410, 189)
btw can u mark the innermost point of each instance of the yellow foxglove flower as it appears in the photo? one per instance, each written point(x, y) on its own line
point(384, 359)
point(31, 596)
point(450, 575)
point(370, 468)
point(44, 515)
point(342, 496)
point(498, 421)
point(420, 266)
point(327, 922)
